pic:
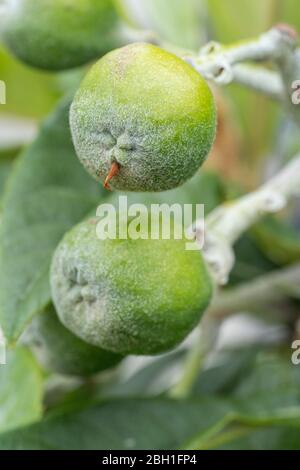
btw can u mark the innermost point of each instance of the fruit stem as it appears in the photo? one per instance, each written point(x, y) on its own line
point(114, 170)
point(204, 344)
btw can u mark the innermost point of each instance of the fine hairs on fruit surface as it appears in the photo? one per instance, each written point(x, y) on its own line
point(58, 34)
point(142, 119)
point(129, 296)
point(59, 350)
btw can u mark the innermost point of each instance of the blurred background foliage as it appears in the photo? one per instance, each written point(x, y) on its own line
point(256, 378)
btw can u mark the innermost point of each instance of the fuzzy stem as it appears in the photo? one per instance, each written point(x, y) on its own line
point(203, 345)
point(222, 65)
point(270, 288)
point(229, 221)
point(215, 62)
point(259, 79)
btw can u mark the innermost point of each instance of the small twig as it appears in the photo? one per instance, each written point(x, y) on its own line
point(222, 64)
point(228, 222)
point(259, 79)
point(215, 62)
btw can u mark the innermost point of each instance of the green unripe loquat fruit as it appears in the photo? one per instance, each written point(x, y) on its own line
point(130, 296)
point(143, 119)
point(61, 351)
point(59, 34)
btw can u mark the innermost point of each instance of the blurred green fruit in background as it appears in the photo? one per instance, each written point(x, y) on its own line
point(60, 351)
point(58, 34)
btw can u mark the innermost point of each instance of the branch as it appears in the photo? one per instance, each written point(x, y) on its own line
point(268, 289)
point(228, 222)
point(259, 79)
point(221, 64)
point(215, 61)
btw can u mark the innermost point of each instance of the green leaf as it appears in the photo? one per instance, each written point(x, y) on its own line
point(5, 169)
point(157, 423)
point(152, 379)
point(278, 240)
point(268, 404)
point(250, 260)
point(273, 383)
point(48, 192)
point(263, 389)
point(226, 372)
point(20, 390)
point(279, 438)
point(122, 424)
point(7, 161)
point(265, 401)
point(236, 425)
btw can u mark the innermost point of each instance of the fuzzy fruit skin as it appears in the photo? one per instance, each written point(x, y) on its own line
point(59, 34)
point(61, 351)
point(147, 110)
point(128, 296)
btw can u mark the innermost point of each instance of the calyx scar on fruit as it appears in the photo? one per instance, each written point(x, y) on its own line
point(59, 34)
point(143, 119)
point(129, 296)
